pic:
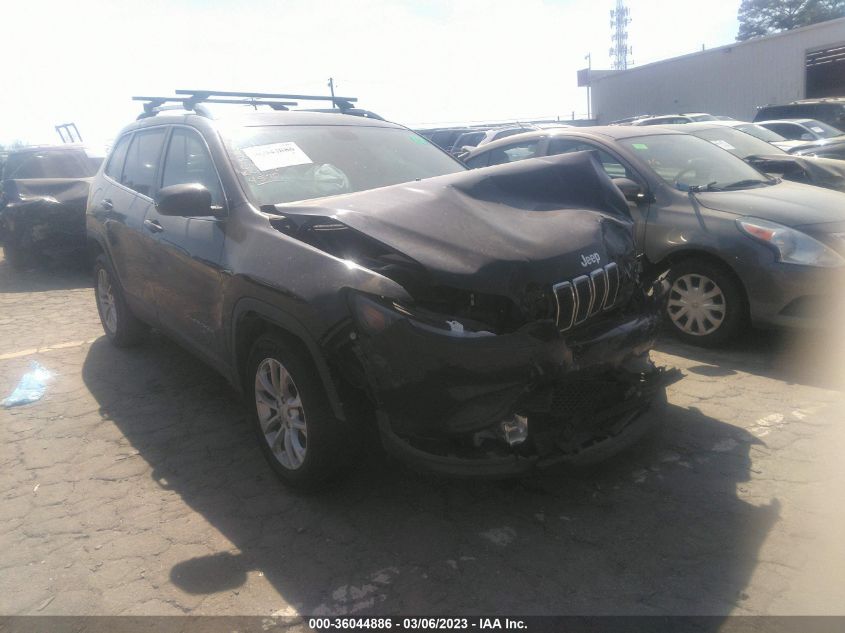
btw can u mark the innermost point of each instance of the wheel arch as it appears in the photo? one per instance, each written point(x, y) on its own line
point(676, 257)
point(252, 318)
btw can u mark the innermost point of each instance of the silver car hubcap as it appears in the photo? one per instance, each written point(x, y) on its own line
point(696, 305)
point(280, 413)
point(105, 297)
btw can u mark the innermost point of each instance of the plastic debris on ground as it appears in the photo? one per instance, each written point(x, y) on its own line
point(32, 386)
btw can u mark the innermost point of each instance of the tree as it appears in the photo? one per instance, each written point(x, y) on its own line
point(762, 17)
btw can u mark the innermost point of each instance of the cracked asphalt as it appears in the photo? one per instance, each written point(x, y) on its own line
point(135, 487)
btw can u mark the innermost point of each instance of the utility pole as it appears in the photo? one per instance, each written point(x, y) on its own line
point(620, 18)
point(589, 59)
point(331, 88)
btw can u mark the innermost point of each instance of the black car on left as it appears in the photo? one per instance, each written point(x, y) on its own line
point(42, 207)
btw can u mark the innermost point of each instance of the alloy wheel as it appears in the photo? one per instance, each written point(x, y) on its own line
point(105, 297)
point(281, 414)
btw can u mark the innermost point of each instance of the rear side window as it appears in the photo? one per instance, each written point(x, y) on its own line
point(118, 156)
point(611, 165)
point(139, 171)
point(49, 164)
point(187, 161)
point(513, 153)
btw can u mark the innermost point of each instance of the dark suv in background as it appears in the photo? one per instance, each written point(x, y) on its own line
point(42, 204)
point(831, 111)
point(357, 283)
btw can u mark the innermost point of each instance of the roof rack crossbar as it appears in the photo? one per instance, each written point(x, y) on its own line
point(340, 102)
point(193, 100)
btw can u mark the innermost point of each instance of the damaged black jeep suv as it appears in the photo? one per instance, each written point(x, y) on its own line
point(358, 284)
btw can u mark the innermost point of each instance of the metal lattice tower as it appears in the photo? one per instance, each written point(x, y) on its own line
point(620, 18)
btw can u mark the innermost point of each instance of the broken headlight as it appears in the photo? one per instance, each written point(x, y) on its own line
point(376, 314)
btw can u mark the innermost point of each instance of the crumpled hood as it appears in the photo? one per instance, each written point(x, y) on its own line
point(494, 229)
point(788, 203)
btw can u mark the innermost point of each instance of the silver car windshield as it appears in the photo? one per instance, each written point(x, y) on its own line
point(737, 143)
point(685, 161)
point(289, 163)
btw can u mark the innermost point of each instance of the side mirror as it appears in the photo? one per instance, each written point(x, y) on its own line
point(806, 136)
point(632, 191)
point(186, 200)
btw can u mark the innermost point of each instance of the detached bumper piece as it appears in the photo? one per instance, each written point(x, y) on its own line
point(579, 421)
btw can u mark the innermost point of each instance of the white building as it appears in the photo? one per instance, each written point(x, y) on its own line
point(733, 80)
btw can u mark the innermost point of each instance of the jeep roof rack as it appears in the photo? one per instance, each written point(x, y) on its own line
point(193, 99)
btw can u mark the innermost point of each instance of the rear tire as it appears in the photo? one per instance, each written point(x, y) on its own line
point(299, 435)
point(707, 305)
point(121, 326)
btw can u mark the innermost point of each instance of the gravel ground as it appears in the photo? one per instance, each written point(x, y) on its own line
point(135, 487)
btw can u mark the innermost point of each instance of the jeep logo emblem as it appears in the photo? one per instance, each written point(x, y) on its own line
point(593, 259)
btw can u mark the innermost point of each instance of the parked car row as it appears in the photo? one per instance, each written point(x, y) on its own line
point(459, 141)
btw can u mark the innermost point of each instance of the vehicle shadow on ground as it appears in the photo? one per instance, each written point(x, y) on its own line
point(63, 274)
point(661, 529)
point(796, 357)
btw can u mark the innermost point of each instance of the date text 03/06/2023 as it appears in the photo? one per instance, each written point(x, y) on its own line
point(414, 624)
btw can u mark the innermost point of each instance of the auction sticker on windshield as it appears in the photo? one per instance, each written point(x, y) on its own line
point(639, 145)
point(275, 155)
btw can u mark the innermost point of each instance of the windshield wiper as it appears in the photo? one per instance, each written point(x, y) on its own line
point(710, 186)
point(749, 182)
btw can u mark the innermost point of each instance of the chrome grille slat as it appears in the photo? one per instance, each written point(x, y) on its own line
point(586, 295)
point(612, 270)
point(599, 280)
point(566, 304)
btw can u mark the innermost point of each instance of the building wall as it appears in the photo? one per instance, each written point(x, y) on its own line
point(732, 80)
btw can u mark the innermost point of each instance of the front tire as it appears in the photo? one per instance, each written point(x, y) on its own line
point(121, 326)
point(706, 305)
point(296, 429)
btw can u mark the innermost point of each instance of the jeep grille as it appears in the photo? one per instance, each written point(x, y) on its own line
point(586, 296)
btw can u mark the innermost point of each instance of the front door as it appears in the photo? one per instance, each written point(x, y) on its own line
point(189, 249)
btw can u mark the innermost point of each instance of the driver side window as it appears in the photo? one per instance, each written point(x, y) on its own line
point(188, 161)
point(611, 165)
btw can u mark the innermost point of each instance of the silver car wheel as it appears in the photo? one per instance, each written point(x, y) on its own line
point(697, 305)
point(105, 297)
point(280, 413)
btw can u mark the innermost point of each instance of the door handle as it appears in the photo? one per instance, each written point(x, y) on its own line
point(153, 226)
point(107, 204)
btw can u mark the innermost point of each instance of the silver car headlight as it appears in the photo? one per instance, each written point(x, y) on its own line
point(792, 247)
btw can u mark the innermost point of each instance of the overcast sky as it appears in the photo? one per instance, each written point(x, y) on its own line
point(414, 62)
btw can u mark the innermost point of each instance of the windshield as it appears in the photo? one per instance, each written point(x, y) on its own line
point(51, 164)
point(822, 129)
point(763, 133)
point(278, 164)
point(737, 143)
point(684, 161)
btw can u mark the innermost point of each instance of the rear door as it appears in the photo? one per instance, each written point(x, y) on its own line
point(123, 204)
point(187, 276)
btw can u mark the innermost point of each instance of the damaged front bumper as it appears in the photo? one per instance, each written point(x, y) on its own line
point(461, 404)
